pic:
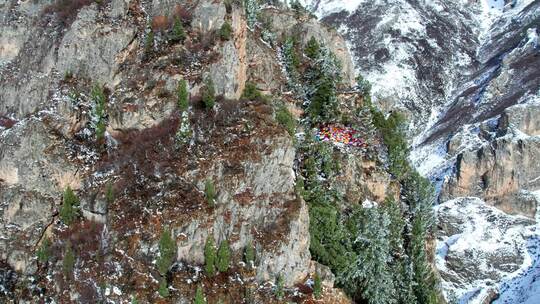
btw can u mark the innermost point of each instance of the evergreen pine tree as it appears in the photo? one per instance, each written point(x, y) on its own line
point(149, 43)
point(210, 192)
point(167, 251)
point(225, 31)
point(44, 251)
point(183, 95)
point(322, 79)
point(97, 95)
point(404, 281)
point(312, 48)
point(223, 256)
point(291, 61)
point(251, 92)
point(317, 286)
point(365, 124)
point(210, 256)
point(418, 194)
point(163, 288)
point(209, 94)
point(252, 12)
point(279, 292)
point(178, 33)
point(69, 210)
point(363, 86)
point(199, 296)
point(249, 254)
point(369, 277)
point(396, 225)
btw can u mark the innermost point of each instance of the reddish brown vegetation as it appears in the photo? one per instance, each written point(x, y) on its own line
point(7, 122)
point(67, 10)
point(160, 23)
point(183, 14)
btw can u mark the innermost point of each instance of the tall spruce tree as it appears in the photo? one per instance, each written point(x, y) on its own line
point(419, 196)
point(69, 210)
point(369, 277)
point(199, 296)
point(223, 256)
point(183, 95)
point(210, 256)
point(322, 79)
point(167, 252)
point(249, 254)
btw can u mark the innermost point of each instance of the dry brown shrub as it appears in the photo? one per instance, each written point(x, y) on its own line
point(160, 23)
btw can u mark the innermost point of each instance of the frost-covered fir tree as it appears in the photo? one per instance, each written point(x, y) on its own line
point(98, 111)
point(370, 278)
point(291, 62)
point(418, 194)
point(322, 80)
point(252, 12)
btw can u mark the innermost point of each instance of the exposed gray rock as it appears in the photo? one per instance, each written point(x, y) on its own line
point(497, 172)
point(271, 182)
point(522, 117)
point(208, 16)
point(89, 49)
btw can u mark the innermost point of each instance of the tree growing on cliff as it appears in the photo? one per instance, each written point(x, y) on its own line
point(163, 289)
point(252, 12)
point(199, 296)
point(97, 95)
point(249, 254)
point(322, 79)
point(178, 33)
point(210, 256)
point(149, 43)
point(225, 31)
point(183, 95)
point(69, 210)
point(418, 194)
point(369, 277)
point(286, 119)
point(279, 291)
point(317, 286)
point(223, 256)
point(167, 252)
point(312, 48)
point(210, 192)
point(44, 252)
point(209, 93)
point(251, 92)
point(109, 193)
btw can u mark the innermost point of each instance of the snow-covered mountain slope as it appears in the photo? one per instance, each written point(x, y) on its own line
point(412, 51)
point(481, 246)
point(467, 73)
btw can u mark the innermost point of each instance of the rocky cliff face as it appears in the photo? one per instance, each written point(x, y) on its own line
point(54, 55)
point(466, 74)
